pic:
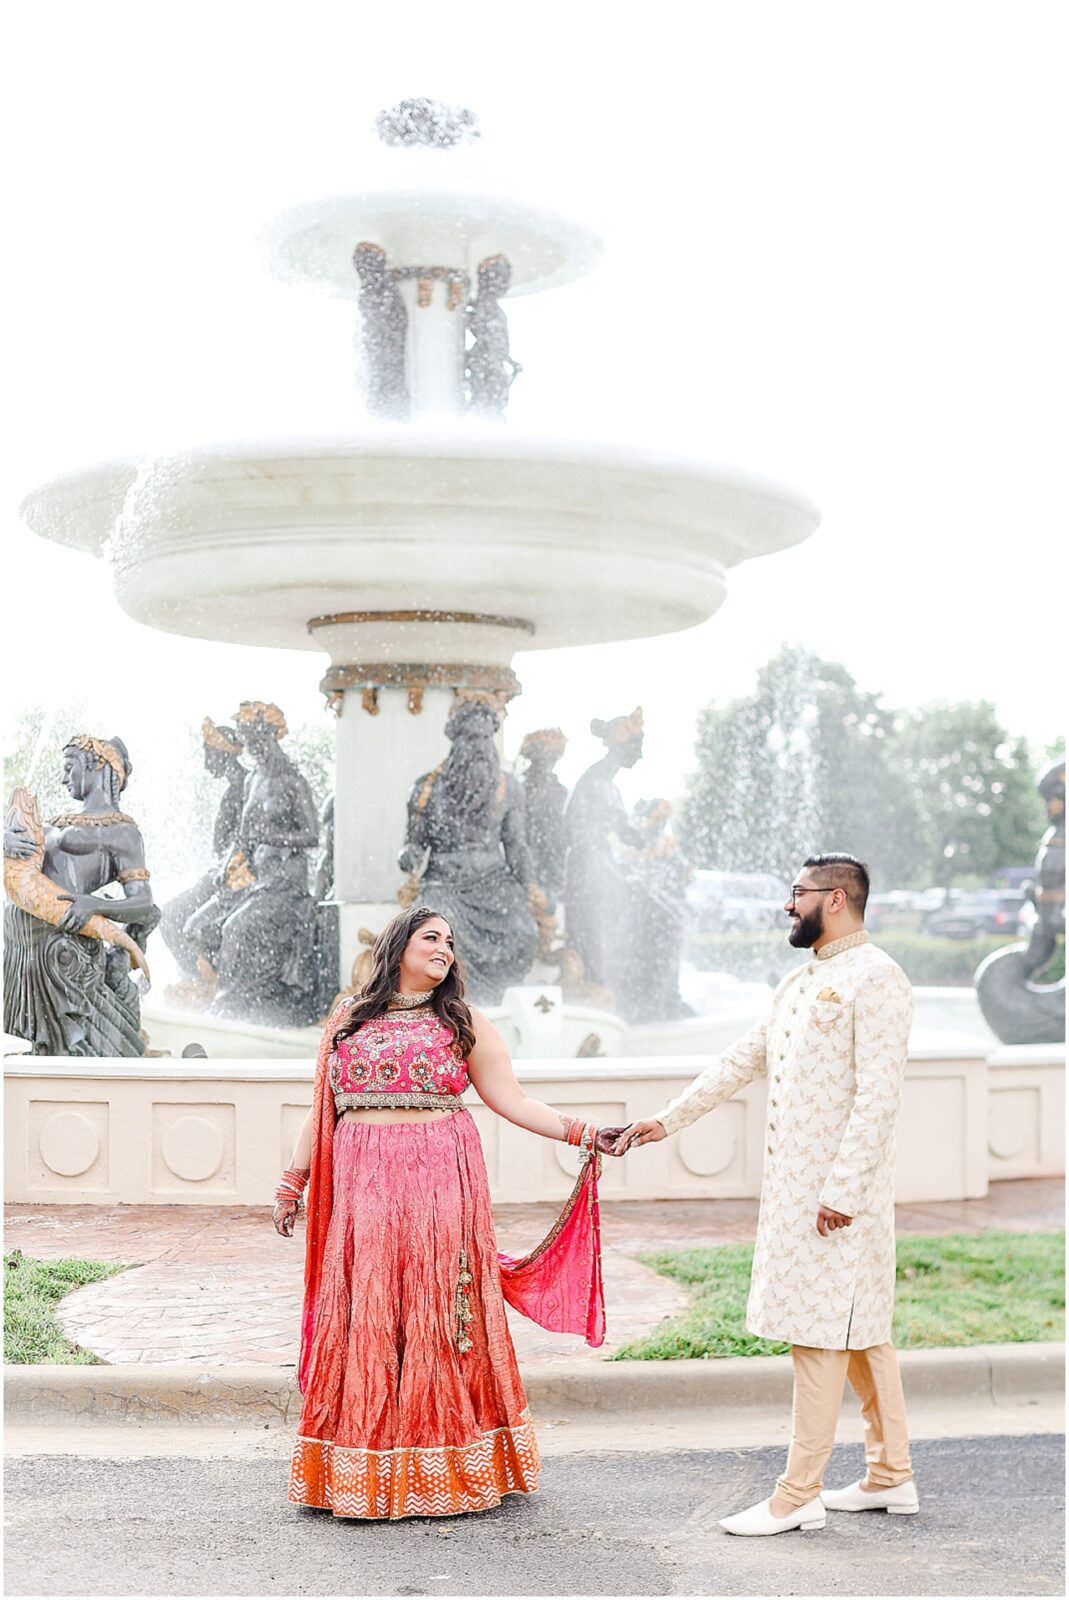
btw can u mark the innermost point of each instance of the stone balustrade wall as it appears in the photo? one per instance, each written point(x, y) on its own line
point(213, 1133)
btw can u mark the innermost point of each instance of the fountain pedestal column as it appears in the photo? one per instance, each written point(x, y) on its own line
point(394, 678)
point(434, 354)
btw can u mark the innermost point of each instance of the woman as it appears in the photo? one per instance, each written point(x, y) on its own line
point(413, 1404)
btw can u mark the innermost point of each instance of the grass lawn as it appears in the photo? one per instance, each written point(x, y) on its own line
point(31, 1289)
point(953, 1289)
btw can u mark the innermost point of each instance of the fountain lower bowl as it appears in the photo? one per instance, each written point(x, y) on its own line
point(574, 543)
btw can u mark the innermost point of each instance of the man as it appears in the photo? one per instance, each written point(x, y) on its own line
point(833, 1046)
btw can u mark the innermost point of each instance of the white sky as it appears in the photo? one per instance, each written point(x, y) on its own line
point(833, 255)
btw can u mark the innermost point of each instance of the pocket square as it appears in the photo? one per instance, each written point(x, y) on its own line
point(830, 994)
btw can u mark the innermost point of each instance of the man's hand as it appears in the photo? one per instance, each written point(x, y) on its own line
point(635, 1133)
point(828, 1221)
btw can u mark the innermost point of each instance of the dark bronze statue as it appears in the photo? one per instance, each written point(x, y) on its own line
point(1016, 1008)
point(544, 799)
point(659, 875)
point(222, 759)
point(489, 368)
point(599, 894)
point(383, 333)
point(258, 931)
point(68, 988)
point(328, 956)
point(467, 845)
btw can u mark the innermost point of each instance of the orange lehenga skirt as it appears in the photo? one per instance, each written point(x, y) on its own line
point(413, 1404)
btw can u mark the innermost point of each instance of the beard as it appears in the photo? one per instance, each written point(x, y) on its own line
point(804, 933)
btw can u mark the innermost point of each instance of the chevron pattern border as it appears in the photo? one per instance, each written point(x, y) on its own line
point(416, 1480)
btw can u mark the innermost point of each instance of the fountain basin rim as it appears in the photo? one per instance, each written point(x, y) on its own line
point(107, 482)
point(568, 1069)
point(590, 542)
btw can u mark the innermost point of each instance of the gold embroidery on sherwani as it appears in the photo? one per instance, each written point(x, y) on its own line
point(835, 1068)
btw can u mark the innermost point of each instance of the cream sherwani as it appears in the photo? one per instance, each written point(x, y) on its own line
point(833, 1046)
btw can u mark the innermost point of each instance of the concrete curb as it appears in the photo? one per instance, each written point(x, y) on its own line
point(254, 1394)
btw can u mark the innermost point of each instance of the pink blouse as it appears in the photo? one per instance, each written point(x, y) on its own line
point(403, 1058)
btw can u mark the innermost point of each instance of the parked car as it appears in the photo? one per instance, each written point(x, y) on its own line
point(737, 902)
point(901, 910)
point(973, 913)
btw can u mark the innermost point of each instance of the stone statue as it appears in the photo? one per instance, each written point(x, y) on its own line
point(467, 844)
point(544, 799)
point(323, 887)
point(488, 361)
point(261, 940)
point(68, 988)
point(660, 874)
point(383, 332)
point(1017, 1009)
point(598, 895)
point(222, 759)
point(328, 949)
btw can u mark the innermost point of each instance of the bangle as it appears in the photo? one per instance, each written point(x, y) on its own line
point(575, 1131)
point(291, 1185)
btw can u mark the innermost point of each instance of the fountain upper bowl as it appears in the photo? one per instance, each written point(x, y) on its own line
point(576, 543)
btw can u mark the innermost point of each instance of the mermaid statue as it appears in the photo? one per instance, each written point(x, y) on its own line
point(1018, 1006)
point(68, 984)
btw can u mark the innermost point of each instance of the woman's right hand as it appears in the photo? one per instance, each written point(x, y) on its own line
point(284, 1216)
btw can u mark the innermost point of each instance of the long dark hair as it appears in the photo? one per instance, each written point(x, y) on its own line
point(374, 998)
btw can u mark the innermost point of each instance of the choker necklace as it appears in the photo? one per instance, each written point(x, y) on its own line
point(408, 1002)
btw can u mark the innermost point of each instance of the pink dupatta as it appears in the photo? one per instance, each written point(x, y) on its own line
point(559, 1284)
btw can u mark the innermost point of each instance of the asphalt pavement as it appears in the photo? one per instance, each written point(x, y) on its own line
point(991, 1523)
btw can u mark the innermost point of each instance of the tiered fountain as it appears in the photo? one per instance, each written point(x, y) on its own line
point(420, 552)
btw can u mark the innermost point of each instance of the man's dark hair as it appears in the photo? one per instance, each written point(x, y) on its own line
point(846, 872)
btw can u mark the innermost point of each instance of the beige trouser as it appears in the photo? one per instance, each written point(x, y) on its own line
point(818, 1395)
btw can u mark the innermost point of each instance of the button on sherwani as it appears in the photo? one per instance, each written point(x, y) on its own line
point(833, 1047)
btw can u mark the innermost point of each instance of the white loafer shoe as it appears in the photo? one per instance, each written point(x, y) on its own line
point(758, 1519)
point(901, 1501)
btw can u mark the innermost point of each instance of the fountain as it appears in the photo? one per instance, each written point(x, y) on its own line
point(419, 554)
point(419, 551)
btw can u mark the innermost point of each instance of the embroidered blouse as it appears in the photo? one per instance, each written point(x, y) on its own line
point(403, 1058)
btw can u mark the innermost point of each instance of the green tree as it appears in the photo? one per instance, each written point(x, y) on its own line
point(972, 787)
point(799, 765)
point(33, 752)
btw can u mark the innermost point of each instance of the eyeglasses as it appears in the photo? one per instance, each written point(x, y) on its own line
point(806, 888)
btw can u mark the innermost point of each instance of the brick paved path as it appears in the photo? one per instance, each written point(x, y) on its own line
point(216, 1284)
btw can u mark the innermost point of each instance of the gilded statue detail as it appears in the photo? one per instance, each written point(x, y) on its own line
point(68, 989)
